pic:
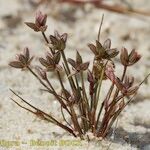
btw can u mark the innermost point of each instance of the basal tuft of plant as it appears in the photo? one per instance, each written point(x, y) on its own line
point(87, 111)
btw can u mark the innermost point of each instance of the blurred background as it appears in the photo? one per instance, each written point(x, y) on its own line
point(126, 23)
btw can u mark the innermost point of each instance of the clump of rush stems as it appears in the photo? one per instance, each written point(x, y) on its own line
point(87, 111)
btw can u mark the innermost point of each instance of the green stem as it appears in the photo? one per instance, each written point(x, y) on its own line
point(68, 71)
point(85, 103)
point(84, 91)
point(99, 87)
point(71, 81)
point(80, 100)
point(102, 105)
point(53, 52)
point(65, 119)
point(93, 113)
point(45, 38)
point(75, 122)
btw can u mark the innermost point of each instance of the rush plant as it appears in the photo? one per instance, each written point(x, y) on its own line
point(87, 111)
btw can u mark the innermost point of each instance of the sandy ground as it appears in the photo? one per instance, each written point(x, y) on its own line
point(81, 23)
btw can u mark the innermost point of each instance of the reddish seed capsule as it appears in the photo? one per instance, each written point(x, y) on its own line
point(134, 57)
point(40, 22)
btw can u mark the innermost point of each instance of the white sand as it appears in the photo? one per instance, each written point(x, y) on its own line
point(82, 26)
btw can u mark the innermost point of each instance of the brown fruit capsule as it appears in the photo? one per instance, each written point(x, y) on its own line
point(124, 57)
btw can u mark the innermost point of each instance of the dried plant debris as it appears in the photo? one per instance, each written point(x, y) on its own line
point(86, 110)
point(117, 8)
